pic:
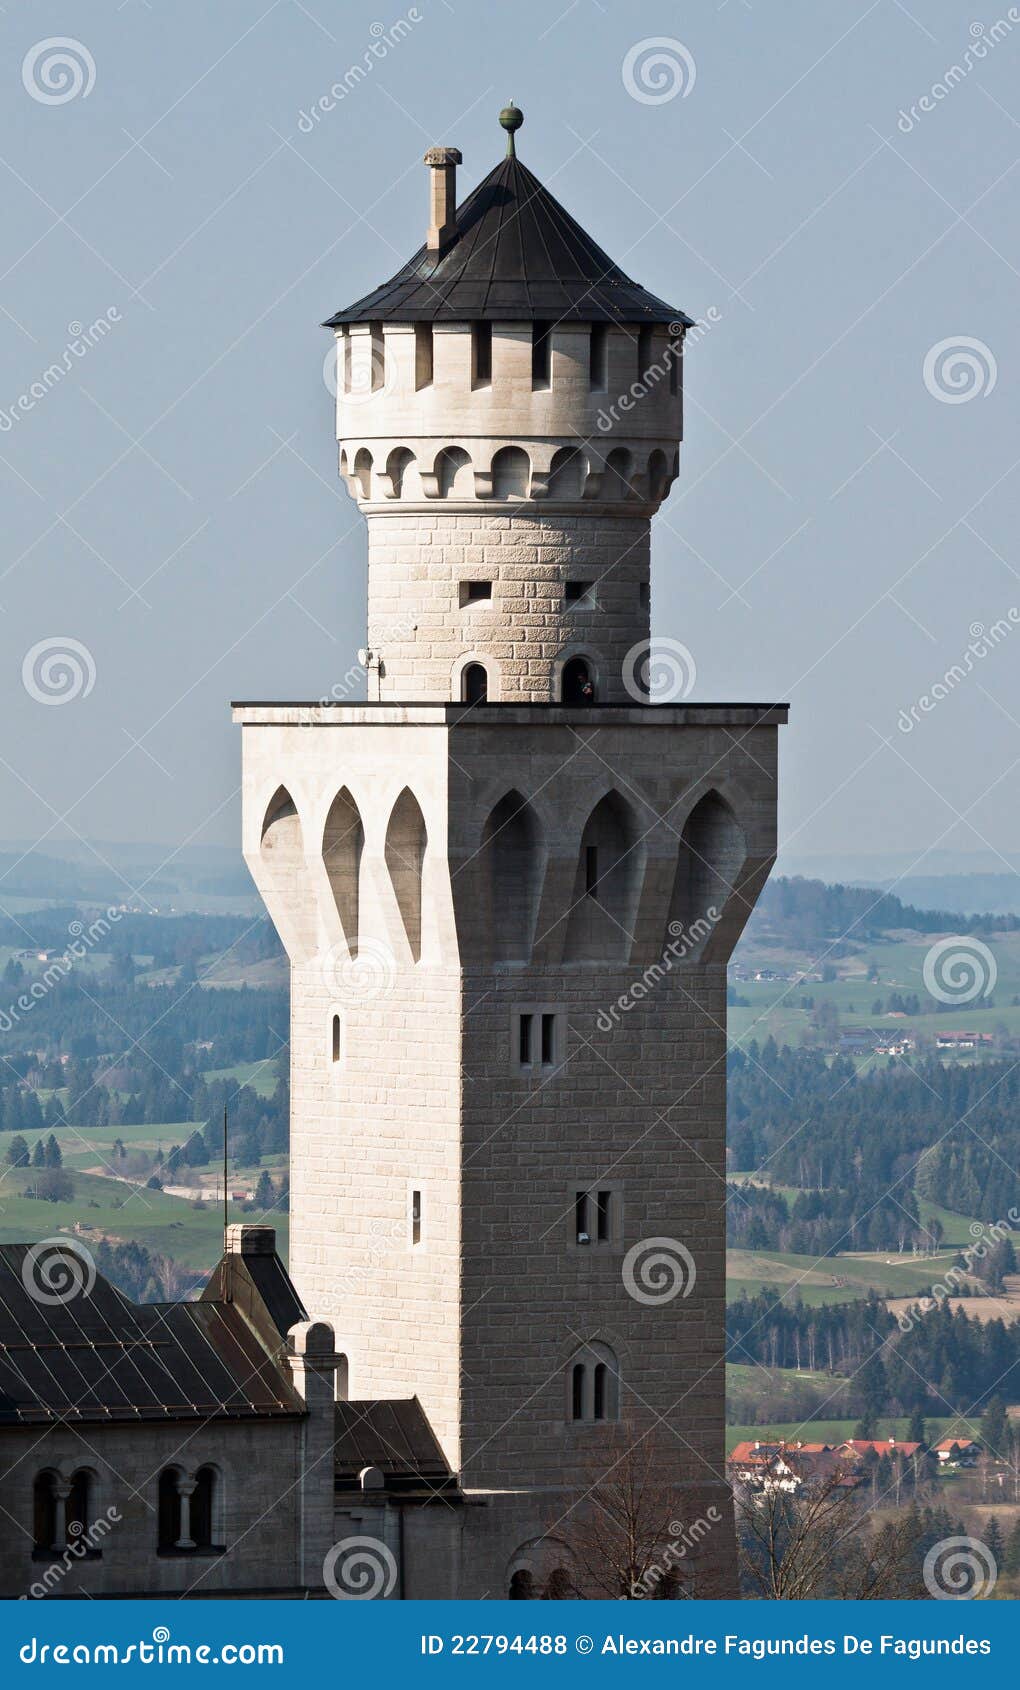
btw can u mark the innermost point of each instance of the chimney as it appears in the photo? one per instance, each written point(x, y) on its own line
point(442, 162)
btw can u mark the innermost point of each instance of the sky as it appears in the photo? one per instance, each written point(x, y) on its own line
point(833, 191)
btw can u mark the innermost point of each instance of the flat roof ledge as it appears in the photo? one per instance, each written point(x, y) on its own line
point(316, 713)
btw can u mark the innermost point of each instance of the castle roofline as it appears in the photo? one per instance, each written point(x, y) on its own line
point(514, 254)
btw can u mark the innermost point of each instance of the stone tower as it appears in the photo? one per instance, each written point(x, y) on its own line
point(508, 885)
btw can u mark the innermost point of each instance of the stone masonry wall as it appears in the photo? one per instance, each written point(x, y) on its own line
point(419, 567)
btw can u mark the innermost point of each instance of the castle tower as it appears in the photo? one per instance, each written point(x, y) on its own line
point(508, 885)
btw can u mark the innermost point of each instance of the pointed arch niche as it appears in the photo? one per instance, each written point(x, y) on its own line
point(510, 864)
point(406, 839)
point(343, 841)
point(710, 877)
point(607, 881)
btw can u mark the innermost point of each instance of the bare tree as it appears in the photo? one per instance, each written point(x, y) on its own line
point(631, 1536)
point(816, 1542)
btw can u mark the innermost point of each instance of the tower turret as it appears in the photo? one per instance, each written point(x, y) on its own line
point(508, 885)
point(509, 413)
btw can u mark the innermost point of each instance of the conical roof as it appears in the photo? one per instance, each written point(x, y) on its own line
point(518, 256)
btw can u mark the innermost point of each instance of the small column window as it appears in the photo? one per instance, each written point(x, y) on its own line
point(537, 1039)
point(422, 355)
point(416, 1216)
point(595, 1216)
point(598, 357)
point(334, 1039)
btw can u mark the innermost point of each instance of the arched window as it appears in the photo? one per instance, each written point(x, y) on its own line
point(559, 1586)
point(594, 1385)
point(335, 1041)
point(658, 475)
point(168, 1519)
point(522, 1586)
point(397, 464)
point(206, 1525)
point(511, 472)
point(510, 871)
point(577, 685)
point(567, 473)
point(406, 839)
point(44, 1513)
point(79, 1503)
point(474, 684)
point(709, 871)
point(281, 830)
point(343, 840)
point(603, 902)
point(362, 471)
point(619, 469)
point(454, 475)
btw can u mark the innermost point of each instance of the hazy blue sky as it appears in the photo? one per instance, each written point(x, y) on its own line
point(841, 525)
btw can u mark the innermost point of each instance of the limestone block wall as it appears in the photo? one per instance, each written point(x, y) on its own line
point(426, 621)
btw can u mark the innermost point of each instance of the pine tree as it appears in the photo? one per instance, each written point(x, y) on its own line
point(38, 1154)
point(994, 1542)
point(53, 1155)
point(915, 1431)
point(17, 1153)
point(995, 1429)
point(1012, 1558)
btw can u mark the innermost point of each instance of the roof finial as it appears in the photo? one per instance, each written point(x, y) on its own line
point(511, 117)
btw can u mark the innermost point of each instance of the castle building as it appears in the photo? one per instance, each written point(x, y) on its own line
point(508, 884)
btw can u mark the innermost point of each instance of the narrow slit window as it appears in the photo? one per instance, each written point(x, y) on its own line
point(422, 355)
point(524, 1040)
point(481, 354)
point(581, 1218)
point(599, 1391)
point(603, 1216)
point(577, 1391)
point(548, 1040)
point(591, 872)
point(644, 595)
point(675, 350)
point(598, 359)
point(377, 373)
point(540, 354)
point(416, 1217)
point(335, 1039)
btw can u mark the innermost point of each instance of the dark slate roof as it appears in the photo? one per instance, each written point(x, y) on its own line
point(97, 1357)
point(517, 257)
point(396, 1437)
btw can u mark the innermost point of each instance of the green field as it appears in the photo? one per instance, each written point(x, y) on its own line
point(774, 1006)
point(813, 1280)
point(260, 1076)
point(168, 1225)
